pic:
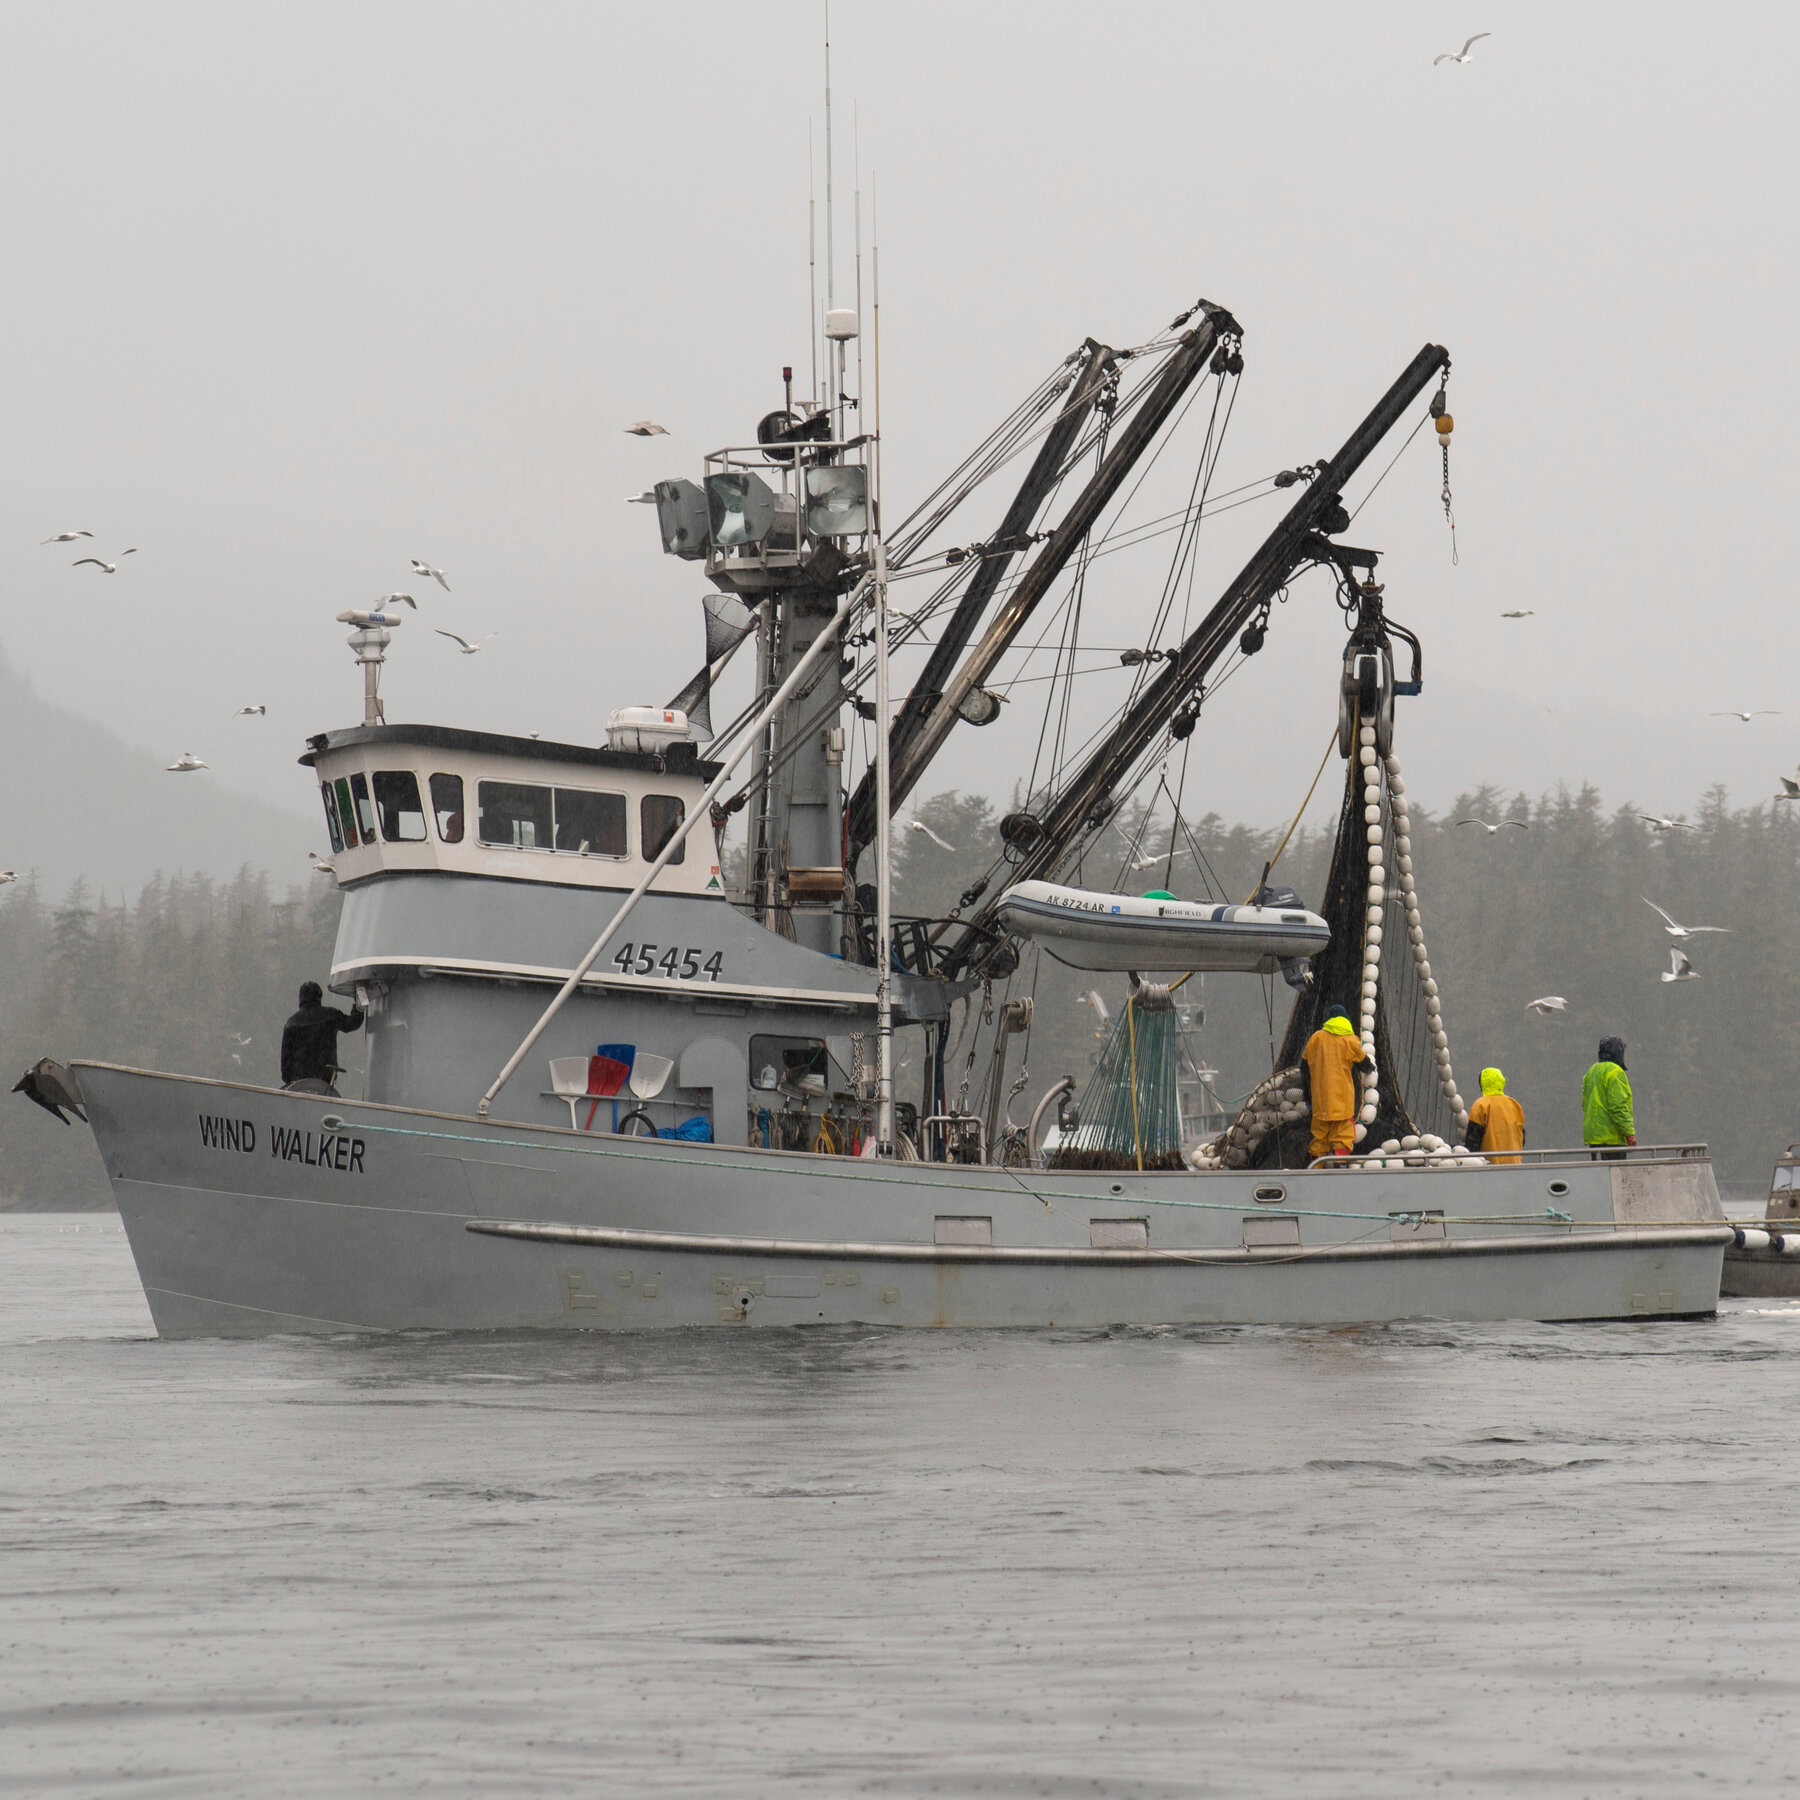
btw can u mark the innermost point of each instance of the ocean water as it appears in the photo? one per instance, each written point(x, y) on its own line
point(1422, 1559)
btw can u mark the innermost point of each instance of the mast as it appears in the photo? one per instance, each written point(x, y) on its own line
point(1008, 542)
point(830, 257)
point(812, 266)
point(884, 847)
point(1297, 540)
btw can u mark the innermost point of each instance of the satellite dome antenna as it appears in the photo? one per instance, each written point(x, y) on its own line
point(369, 642)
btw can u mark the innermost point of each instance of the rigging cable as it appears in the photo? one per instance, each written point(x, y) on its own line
point(1304, 804)
point(1379, 479)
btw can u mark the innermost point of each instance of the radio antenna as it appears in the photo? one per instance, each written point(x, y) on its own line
point(812, 265)
point(830, 256)
point(856, 165)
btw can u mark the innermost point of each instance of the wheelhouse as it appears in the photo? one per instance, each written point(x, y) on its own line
point(426, 798)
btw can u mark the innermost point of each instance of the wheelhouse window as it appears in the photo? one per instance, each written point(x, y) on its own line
point(514, 815)
point(661, 816)
point(447, 805)
point(397, 806)
point(590, 824)
point(331, 817)
point(365, 809)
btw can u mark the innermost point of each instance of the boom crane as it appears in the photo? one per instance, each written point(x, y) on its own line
point(1216, 330)
point(927, 696)
point(1300, 538)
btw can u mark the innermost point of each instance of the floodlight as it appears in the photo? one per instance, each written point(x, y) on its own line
point(681, 512)
point(837, 501)
point(740, 508)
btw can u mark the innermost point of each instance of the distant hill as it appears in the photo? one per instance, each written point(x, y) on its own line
point(77, 801)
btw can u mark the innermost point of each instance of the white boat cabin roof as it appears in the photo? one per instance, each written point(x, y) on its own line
point(429, 797)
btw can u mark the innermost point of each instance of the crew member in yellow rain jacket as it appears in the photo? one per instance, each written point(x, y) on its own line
point(1606, 1116)
point(1496, 1120)
point(1326, 1065)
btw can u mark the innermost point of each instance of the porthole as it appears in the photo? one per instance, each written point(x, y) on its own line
point(1559, 1188)
point(1270, 1196)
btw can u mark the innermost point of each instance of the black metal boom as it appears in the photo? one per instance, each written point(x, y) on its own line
point(928, 691)
point(1213, 328)
point(1086, 798)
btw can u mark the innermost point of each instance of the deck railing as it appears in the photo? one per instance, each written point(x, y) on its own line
point(1585, 1153)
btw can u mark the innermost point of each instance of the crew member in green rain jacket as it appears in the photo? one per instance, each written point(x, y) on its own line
point(1606, 1116)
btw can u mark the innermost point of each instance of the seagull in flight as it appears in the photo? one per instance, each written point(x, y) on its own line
point(1494, 830)
point(426, 572)
point(7, 875)
point(1680, 969)
point(1767, 712)
point(1657, 823)
point(320, 865)
point(1790, 788)
point(1528, 612)
point(1680, 933)
point(646, 428)
point(1150, 862)
point(67, 537)
point(1462, 55)
point(1146, 862)
point(242, 1042)
point(259, 711)
point(1092, 998)
point(185, 764)
point(1550, 1003)
point(646, 498)
point(385, 600)
point(469, 648)
point(112, 568)
point(920, 825)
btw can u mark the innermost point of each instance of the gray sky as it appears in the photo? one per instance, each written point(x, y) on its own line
point(297, 295)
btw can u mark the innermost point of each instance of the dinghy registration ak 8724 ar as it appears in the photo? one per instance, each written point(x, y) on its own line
point(518, 913)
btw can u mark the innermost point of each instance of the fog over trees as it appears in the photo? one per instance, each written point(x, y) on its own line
point(169, 980)
point(175, 976)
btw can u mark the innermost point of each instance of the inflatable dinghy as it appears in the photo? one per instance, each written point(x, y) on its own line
point(1117, 932)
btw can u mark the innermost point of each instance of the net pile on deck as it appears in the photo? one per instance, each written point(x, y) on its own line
point(1130, 1114)
point(1377, 969)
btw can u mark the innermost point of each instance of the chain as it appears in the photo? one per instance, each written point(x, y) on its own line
point(987, 1018)
point(1439, 408)
point(1449, 513)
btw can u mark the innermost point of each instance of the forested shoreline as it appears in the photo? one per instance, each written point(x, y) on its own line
point(175, 977)
point(169, 980)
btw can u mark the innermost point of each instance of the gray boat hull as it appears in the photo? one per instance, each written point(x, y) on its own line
point(1760, 1275)
point(247, 1214)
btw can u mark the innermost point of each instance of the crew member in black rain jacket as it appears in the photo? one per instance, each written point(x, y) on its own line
point(309, 1042)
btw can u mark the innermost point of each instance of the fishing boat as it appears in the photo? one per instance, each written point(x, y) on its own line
point(608, 1086)
point(1763, 1261)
